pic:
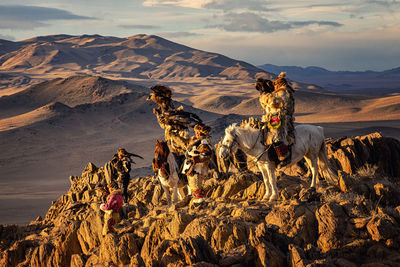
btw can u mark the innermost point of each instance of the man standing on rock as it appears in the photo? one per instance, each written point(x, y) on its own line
point(198, 156)
point(118, 170)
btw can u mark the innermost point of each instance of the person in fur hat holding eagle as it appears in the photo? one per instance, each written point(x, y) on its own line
point(276, 98)
point(175, 121)
point(192, 153)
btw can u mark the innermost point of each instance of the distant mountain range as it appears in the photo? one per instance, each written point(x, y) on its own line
point(139, 56)
point(358, 82)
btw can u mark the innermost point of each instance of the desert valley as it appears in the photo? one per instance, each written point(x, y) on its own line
point(67, 100)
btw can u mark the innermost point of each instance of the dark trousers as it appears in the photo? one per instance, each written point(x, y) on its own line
point(125, 183)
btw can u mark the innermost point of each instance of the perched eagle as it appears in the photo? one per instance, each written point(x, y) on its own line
point(161, 95)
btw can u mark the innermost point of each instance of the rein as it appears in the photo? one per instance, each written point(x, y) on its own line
point(262, 153)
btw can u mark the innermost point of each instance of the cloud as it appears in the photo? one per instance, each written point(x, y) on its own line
point(334, 50)
point(29, 17)
point(251, 22)
point(180, 3)
point(178, 34)
point(138, 26)
point(387, 3)
point(225, 5)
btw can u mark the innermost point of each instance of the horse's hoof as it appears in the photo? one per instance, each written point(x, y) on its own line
point(265, 199)
point(273, 198)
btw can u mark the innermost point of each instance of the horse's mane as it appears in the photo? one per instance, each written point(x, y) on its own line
point(232, 130)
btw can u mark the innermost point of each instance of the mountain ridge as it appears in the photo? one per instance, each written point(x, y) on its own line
point(352, 82)
point(152, 57)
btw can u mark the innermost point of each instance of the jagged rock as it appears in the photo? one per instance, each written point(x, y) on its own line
point(177, 225)
point(350, 154)
point(267, 254)
point(296, 256)
point(255, 191)
point(197, 250)
point(308, 194)
point(239, 256)
point(246, 214)
point(233, 185)
point(89, 232)
point(153, 239)
point(346, 184)
point(118, 250)
point(67, 244)
point(353, 223)
point(331, 226)
point(382, 227)
point(77, 261)
point(203, 227)
point(42, 255)
point(167, 252)
point(296, 220)
point(221, 238)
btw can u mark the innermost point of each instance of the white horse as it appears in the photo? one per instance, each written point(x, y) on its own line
point(309, 144)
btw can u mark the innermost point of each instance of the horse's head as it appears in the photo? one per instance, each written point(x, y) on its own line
point(161, 153)
point(229, 143)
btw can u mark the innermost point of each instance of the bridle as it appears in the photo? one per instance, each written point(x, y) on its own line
point(232, 142)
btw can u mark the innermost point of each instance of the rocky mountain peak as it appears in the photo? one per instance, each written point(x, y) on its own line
point(353, 222)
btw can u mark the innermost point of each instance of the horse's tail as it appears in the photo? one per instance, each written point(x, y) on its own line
point(325, 167)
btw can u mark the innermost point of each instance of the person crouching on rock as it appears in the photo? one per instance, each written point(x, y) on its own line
point(112, 208)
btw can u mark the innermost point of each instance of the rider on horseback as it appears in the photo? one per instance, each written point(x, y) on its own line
point(277, 100)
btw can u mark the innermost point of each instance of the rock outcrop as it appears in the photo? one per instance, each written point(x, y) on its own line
point(355, 222)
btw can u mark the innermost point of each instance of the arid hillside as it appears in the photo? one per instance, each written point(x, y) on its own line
point(138, 56)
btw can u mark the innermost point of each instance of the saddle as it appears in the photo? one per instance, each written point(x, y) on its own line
point(282, 153)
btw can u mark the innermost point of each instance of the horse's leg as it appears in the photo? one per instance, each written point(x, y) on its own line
point(272, 181)
point(167, 194)
point(313, 163)
point(174, 181)
point(266, 182)
point(179, 194)
point(175, 194)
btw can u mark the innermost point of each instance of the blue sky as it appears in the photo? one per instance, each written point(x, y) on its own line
point(334, 34)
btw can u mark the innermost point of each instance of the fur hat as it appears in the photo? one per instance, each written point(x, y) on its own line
point(202, 128)
point(281, 82)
